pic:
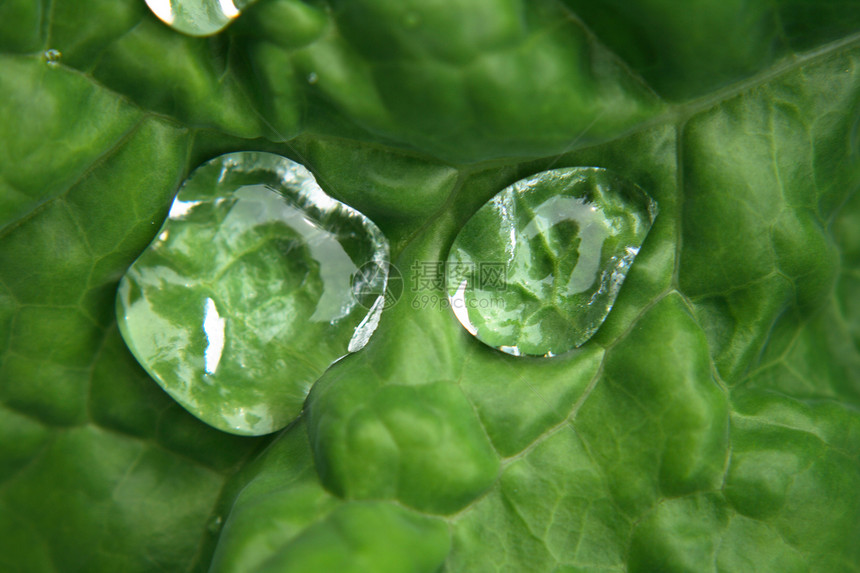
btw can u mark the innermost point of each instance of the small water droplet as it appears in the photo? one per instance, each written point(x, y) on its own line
point(245, 295)
point(537, 269)
point(313, 78)
point(52, 57)
point(214, 525)
point(198, 17)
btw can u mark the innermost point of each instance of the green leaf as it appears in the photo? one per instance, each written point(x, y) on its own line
point(305, 528)
point(711, 424)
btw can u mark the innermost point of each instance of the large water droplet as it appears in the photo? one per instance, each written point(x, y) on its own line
point(197, 17)
point(244, 297)
point(537, 269)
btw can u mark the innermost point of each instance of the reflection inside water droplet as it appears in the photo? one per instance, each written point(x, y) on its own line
point(197, 17)
point(245, 295)
point(536, 270)
point(213, 326)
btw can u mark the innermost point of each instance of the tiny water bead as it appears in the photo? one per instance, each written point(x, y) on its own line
point(244, 297)
point(197, 17)
point(215, 524)
point(52, 57)
point(537, 269)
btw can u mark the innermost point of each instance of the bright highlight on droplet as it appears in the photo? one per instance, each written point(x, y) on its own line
point(229, 9)
point(537, 269)
point(181, 208)
point(197, 17)
point(245, 296)
point(458, 305)
point(162, 9)
point(213, 326)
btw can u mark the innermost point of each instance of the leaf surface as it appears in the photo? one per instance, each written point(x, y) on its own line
point(710, 425)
